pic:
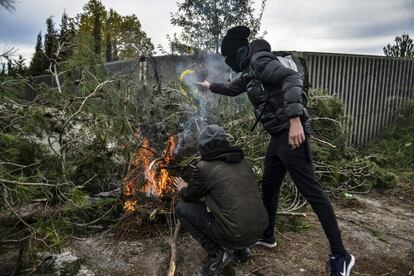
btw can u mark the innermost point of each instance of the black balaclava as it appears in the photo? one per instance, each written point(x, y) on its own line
point(234, 46)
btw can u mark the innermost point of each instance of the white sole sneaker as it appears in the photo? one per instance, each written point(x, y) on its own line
point(266, 244)
point(351, 264)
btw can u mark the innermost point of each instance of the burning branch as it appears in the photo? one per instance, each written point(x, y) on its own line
point(156, 178)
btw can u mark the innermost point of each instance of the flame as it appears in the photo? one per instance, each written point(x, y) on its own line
point(130, 205)
point(157, 179)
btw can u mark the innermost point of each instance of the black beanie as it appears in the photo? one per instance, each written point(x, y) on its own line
point(234, 39)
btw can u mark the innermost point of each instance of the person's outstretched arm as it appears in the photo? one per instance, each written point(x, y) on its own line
point(233, 88)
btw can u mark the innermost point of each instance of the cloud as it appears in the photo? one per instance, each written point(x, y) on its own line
point(335, 25)
point(351, 26)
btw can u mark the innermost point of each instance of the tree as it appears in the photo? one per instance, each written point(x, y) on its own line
point(112, 29)
point(37, 64)
point(19, 65)
point(132, 40)
point(64, 28)
point(108, 47)
point(115, 55)
point(205, 22)
point(51, 40)
point(179, 48)
point(96, 33)
point(91, 20)
point(403, 47)
point(67, 31)
point(10, 69)
point(3, 70)
point(126, 37)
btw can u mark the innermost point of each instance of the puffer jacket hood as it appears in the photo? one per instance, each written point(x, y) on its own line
point(258, 45)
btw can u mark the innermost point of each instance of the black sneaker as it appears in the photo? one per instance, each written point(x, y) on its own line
point(267, 242)
point(341, 265)
point(242, 255)
point(216, 263)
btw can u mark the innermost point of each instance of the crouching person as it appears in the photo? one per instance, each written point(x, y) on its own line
point(232, 216)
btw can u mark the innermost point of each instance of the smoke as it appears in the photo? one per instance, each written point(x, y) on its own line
point(212, 68)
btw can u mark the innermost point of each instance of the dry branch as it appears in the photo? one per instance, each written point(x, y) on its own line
point(173, 244)
point(30, 183)
point(291, 214)
point(27, 214)
point(97, 88)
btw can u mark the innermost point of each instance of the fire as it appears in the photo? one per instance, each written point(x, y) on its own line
point(157, 180)
point(129, 205)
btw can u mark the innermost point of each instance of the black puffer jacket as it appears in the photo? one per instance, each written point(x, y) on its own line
point(266, 76)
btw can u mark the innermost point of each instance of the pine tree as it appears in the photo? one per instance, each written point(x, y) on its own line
point(64, 25)
point(67, 31)
point(37, 64)
point(3, 70)
point(108, 48)
point(10, 69)
point(115, 55)
point(50, 41)
point(96, 32)
point(20, 67)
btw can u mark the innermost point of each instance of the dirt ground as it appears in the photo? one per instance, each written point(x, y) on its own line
point(378, 230)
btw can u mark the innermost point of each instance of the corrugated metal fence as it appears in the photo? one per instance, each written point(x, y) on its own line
point(373, 88)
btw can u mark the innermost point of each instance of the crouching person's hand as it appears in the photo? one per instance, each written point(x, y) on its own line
point(179, 183)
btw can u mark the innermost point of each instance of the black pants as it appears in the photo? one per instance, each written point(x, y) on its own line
point(197, 221)
point(281, 158)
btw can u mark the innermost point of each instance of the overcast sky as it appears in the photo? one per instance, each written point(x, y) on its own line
point(344, 26)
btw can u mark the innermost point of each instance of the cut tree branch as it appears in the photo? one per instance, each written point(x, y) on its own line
point(173, 244)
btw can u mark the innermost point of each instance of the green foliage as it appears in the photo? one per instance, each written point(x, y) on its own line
point(327, 124)
point(67, 142)
point(204, 23)
point(296, 224)
point(340, 167)
point(53, 231)
point(25, 161)
point(127, 39)
point(94, 167)
point(96, 31)
point(51, 41)
point(38, 63)
point(394, 149)
point(403, 47)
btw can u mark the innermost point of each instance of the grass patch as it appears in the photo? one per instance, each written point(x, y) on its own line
point(295, 224)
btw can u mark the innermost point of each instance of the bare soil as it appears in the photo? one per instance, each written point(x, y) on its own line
point(378, 230)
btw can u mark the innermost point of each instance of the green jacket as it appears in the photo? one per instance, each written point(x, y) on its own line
point(232, 195)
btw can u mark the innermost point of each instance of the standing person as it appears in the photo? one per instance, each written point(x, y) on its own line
point(232, 216)
point(276, 93)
